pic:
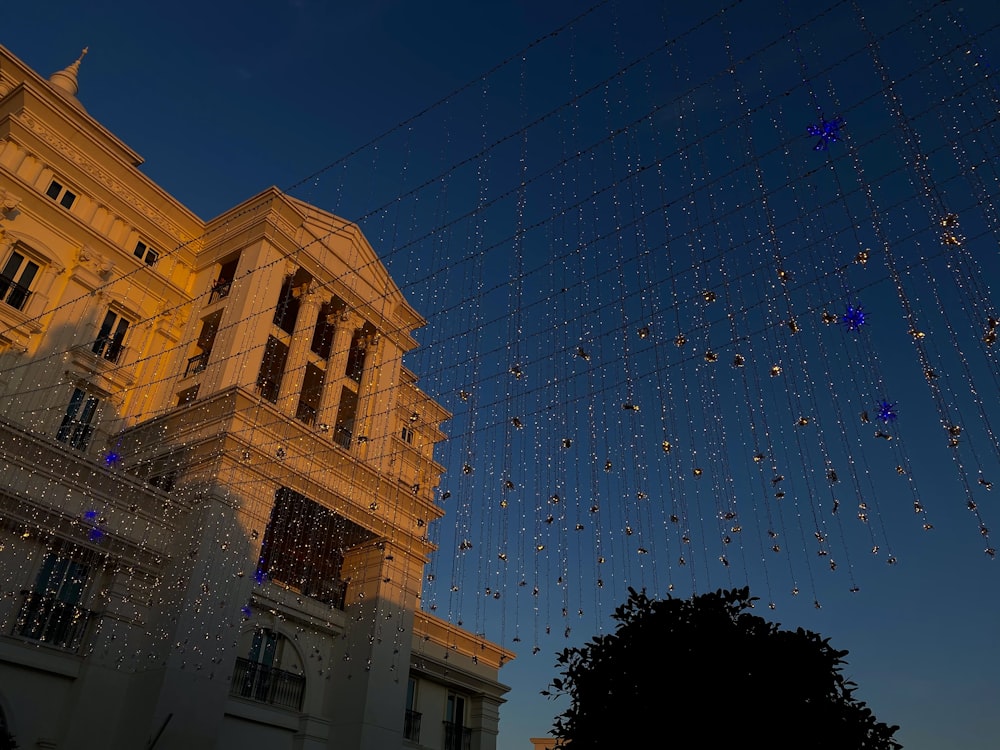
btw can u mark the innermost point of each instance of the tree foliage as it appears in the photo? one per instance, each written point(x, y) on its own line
point(704, 672)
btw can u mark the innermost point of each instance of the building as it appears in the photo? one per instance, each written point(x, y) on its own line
point(218, 476)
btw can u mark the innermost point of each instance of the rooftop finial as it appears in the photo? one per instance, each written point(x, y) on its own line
point(65, 80)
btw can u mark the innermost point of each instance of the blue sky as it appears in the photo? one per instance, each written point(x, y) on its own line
point(599, 182)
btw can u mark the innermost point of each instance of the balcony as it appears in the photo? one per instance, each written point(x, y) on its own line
point(220, 290)
point(13, 293)
point(343, 436)
point(456, 737)
point(196, 364)
point(108, 348)
point(50, 620)
point(264, 684)
point(411, 726)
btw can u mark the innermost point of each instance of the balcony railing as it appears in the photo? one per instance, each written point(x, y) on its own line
point(51, 620)
point(411, 726)
point(13, 293)
point(342, 436)
point(196, 363)
point(108, 349)
point(220, 290)
point(456, 737)
point(264, 684)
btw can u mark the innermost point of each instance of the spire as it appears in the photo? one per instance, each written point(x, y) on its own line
point(65, 80)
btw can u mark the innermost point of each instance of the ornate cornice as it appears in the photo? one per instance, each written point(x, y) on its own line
point(107, 180)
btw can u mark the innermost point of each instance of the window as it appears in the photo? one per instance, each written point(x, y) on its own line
point(347, 412)
point(15, 280)
point(145, 253)
point(456, 735)
point(258, 678)
point(407, 434)
point(110, 336)
point(77, 428)
point(51, 611)
point(303, 547)
point(411, 720)
point(272, 368)
point(60, 194)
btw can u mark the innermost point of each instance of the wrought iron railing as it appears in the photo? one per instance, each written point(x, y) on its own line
point(342, 436)
point(51, 620)
point(220, 290)
point(411, 725)
point(264, 684)
point(456, 737)
point(196, 363)
point(13, 293)
point(108, 349)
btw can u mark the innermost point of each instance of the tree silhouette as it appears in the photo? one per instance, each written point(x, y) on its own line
point(705, 673)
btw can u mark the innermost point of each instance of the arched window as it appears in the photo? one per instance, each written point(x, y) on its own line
point(260, 676)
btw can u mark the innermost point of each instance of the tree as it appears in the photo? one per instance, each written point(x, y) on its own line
point(704, 673)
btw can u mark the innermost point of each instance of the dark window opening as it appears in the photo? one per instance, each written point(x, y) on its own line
point(164, 481)
point(258, 678)
point(224, 281)
point(60, 194)
point(187, 395)
point(111, 336)
point(206, 340)
point(272, 367)
point(326, 326)
point(15, 280)
point(287, 310)
point(77, 428)
point(145, 253)
point(407, 435)
point(51, 610)
point(360, 342)
point(312, 392)
point(304, 546)
point(347, 412)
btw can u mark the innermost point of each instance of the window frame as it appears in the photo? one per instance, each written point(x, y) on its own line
point(78, 423)
point(109, 343)
point(145, 252)
point(61, 194)
point(12, 281)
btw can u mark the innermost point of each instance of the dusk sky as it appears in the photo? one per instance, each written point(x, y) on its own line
point(638, 243)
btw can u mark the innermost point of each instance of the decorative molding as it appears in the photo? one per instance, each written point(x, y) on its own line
point(89, 259)
point(112, 184)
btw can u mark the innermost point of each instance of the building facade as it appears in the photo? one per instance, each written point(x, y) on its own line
point(218, 475)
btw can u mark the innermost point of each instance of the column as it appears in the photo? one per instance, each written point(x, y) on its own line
point(336, 366)
point(367, 401)
point(298, 351)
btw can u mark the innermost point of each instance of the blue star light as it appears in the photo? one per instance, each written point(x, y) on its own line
point(887, 411)
point(245, 609)
point(111, 459)
point(259, 576)
point(854, 317)
point(828, 131)
point(90, 515)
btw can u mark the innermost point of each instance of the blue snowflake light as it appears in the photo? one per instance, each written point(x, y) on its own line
point(111, 459)
point(854, 317)
point(259, 576)
point(245, 609)
point(828, 131)
point(887, 411)
point(90, 515)
point(95, 535)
